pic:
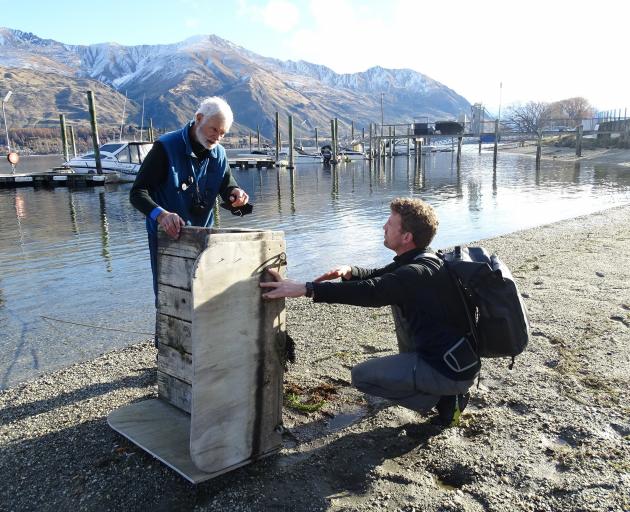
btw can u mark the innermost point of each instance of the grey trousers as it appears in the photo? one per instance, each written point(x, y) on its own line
point(406, 380)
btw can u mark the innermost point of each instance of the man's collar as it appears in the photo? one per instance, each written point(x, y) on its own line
point(408, 256)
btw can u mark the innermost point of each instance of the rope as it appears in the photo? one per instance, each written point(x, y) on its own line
point(95, 326)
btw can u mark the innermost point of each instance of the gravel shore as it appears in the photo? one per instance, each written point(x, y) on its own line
point(550, 435)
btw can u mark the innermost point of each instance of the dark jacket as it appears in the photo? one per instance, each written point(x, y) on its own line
point(426, 296)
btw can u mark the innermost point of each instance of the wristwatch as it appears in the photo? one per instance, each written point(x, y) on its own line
point(309, 289)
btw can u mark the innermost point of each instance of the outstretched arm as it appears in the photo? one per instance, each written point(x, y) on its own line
point(282, 287)
point(343, 271)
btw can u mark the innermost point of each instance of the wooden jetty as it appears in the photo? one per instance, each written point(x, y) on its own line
point(50, 179)
point(220, 354)
point(247, 162)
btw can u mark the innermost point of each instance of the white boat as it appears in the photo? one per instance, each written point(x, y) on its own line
point(121, 159)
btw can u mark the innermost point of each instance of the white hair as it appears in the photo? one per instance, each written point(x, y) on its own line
point(215, 106)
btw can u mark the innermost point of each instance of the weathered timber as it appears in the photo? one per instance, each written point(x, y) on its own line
point(174, 391)
point(175, 363)
point(174, 302)
point(174, 332)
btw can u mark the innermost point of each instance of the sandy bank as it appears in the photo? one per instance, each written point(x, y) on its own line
point(551, 435)
point(612, 156)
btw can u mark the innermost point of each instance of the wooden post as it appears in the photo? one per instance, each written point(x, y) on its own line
point(393, 143)
point(64, 138)
point(409, 132)
point(459, 149)
point(151, 134)
point(351, 131)
point(258, 136)
point(416, 153)
point(72, 141)
point(291, 156)
point(277, 139)
point(420, 153)
point(363, 133)
point(578, 141)
point(316, 141)
point(332, 141)
point(480, 144)
point(496, 140)
point(336, 136)
point(95, 142)
point(538, 150)
point(371, 143)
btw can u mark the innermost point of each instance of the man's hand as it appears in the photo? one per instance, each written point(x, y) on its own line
point(238, 197)
point(282, 287)
point(172, 224)
point(344, 271)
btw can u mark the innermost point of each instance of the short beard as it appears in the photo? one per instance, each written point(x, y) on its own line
point(201, 139)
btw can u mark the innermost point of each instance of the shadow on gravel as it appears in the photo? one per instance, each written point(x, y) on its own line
point(89, 467)
point(145, 377)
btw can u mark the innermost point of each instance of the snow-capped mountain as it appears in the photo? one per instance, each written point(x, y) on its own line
point(172, 78)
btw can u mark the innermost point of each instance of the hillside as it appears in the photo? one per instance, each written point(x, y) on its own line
point(49, 77)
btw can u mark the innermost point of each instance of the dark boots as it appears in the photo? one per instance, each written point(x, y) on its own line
point(450, 408)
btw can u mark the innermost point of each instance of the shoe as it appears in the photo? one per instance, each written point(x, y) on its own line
point(450, 408)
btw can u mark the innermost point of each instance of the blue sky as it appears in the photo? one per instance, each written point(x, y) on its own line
point(538, 50)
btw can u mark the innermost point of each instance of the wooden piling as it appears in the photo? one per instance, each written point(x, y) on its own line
point(496, 140)
point(371, 154)
point(316, 140)
point(95, 142)
point(151, 133)
point(291, 156)
point(64, 138)
point(578, 141)
point(277, 139)
point(258, 136)
point(538, 150)
point(409, 132)
point(72, 140)
point(336, 136)
point(480, 144)
point(332, 141)
point(459, 149)
point(351, 130)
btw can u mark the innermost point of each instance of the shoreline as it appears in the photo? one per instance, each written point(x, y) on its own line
point(549, 435)
point(608, 156)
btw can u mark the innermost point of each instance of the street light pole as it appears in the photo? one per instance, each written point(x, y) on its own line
point(6, 129)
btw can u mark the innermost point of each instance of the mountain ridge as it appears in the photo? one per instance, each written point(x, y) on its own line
point(171, 79)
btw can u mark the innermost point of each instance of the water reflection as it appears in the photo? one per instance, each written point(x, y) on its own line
point(81, 255)
point(105, 232)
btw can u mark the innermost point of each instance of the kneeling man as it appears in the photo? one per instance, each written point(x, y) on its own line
point(437, 363)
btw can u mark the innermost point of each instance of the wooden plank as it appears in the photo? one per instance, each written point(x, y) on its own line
point(238, 340)
point(164, 432)
point(191, 242)
point(174, 302)
point(174, 363)
point(175, 333)
point(175, 271)
point(174, 391)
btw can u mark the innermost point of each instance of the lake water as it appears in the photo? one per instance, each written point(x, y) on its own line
point(74, 268)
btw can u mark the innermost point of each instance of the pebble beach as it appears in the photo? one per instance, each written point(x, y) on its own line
point(550, 435)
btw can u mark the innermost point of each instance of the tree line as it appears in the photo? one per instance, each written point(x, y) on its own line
point(536, 116)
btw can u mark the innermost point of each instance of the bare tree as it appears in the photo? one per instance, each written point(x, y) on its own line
point(529, 118)
point(576, 108)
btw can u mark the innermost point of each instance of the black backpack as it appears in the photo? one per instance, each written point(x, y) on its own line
point(495, 310)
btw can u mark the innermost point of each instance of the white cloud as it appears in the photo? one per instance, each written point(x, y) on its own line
point(193, 23)
point(280, 15)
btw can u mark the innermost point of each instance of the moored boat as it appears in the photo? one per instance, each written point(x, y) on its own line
point(121, 159)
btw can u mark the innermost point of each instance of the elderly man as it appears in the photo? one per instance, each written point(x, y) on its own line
point(431, 323)
point(182, 175)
